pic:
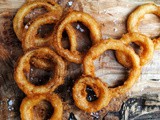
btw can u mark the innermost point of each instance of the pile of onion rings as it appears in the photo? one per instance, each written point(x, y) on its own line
point(19, 28)
point(38, 53)
point(125, 55)
point(79, 94)
point(48, 53)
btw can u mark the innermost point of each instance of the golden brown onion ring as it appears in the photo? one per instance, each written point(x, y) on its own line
point(18, 22)
point(111, 44)
point(136, 16)
point(101, 90)
point(75, 16)
point(32, 40)
point(23, 68)
point(146, 46)
point(28, 103)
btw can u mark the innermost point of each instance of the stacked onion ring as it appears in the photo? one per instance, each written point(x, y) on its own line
point(36, 52)
point(35, 93)
point(79, 94)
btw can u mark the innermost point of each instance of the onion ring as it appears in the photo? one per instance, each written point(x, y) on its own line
point(18, 24)
point(28, 103)
point(135, 17)
point(74, 16)
point(111, 44)
point(32, 40)
point(80, 94)
point(23, 68)
point(145, 43)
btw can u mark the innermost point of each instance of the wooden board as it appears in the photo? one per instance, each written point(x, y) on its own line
point(141, 102)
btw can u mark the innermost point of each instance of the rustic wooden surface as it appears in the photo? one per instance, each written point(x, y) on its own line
point(143, 100)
